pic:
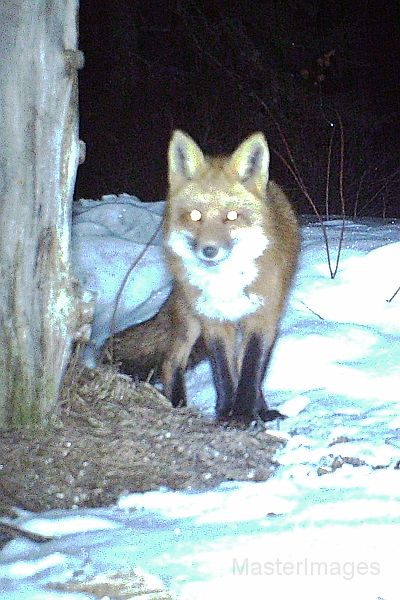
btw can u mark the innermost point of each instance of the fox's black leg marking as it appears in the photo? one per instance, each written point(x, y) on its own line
point(174, 367)
point(265, 413)
point(249, 399)
point(178, 393)
point(247, 392)
point(223, 381)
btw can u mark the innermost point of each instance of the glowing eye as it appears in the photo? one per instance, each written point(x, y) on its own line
point(232, 215)
point(195, 215)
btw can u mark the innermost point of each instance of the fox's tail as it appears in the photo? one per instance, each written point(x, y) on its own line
point(140, 350)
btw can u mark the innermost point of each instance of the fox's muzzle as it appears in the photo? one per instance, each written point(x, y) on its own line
point(211, 253)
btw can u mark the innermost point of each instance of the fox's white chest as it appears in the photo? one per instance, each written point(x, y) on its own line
point(223, 293)
point(223, 287)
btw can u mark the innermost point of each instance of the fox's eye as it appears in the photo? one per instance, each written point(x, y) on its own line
point(232, 215)
point(195, 215)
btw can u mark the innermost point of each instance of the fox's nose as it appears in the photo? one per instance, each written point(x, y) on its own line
point(210, 251)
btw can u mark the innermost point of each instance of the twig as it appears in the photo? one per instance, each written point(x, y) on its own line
point(394, 295)
point(312, 311)
point(328, 174)
point(292, 168)
point(123, 283)
point(341, 237)
point(358, 193)
point(383, 186)
point(13, 531)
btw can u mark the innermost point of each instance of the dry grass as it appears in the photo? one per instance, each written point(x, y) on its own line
point(115, 436)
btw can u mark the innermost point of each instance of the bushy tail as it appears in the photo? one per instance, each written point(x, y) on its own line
point(140, 350)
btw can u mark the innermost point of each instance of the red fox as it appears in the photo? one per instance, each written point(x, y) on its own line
point(231, 242)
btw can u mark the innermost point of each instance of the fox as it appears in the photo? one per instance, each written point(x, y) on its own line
point(231, 242)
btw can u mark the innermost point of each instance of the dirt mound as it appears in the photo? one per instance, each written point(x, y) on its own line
point(115, 436)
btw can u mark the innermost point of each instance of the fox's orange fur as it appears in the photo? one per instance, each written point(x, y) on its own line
point(231, 242)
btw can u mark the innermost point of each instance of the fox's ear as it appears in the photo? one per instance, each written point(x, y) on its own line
point(185, 159)
point(250, 162)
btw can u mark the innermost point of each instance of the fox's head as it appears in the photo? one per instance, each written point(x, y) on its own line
point(215, 207)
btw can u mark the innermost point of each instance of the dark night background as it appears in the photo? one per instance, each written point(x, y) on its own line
point(221, 70)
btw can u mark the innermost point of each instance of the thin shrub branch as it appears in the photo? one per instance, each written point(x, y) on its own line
point(394, 295)
point(123, 284)
point(291, 165)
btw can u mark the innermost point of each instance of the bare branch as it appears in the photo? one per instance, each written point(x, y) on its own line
point(394, 295)
point(123, 284)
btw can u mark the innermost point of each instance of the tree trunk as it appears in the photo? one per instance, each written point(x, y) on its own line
point(40, 302)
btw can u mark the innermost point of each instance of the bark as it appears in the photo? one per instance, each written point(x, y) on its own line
point(40, 304)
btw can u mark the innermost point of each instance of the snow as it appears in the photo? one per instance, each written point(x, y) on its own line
point(327, 524)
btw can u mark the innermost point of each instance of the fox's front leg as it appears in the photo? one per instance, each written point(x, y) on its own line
point(220, 340)
point(249, 399)
point(185, 335)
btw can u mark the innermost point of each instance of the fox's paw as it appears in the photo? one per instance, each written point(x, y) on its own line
point(266, 414)
point(258, 413)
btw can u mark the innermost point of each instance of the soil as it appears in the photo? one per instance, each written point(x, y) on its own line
point(114, 436)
